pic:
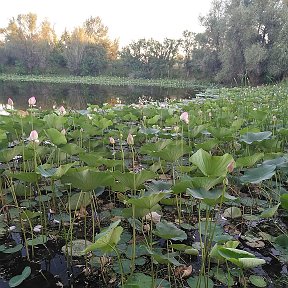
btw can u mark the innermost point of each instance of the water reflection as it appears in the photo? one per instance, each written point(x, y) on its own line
point(77, 96)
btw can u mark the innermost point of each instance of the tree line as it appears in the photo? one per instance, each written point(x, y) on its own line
point(245, 41)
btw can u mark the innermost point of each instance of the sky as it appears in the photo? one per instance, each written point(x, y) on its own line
point(127, 20)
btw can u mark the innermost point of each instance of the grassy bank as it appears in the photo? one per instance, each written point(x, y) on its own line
point(102, 80)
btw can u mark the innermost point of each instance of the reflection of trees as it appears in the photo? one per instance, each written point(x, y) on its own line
point(77, 96)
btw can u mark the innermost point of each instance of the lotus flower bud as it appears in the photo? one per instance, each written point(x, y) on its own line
point(111, 140)
point(63, 131)
point(37, 228)
point(230, 166)
point(10, 102)
point(32, 101)
point(154, 216)
point(274, 118)
point(62, 110)
point(130, 139)
point(184, 117)
point(33, 136)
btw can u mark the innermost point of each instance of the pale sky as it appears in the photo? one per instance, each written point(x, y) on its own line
point(127, 20)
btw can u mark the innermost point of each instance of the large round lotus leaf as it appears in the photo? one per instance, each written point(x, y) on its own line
point(256, 175)
point(76, 247)
point(250, 137)
point(168, 230)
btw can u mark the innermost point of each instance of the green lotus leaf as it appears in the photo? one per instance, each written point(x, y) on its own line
point(257, 281)
point(79, 199)
point(56, 137)
point(249, 161)
point(200, 282)
point(87, 179)
point(173, 151)
point(107, 239)
point(284, 201)
point(14, 249)
point(167, 230)
point(132, 180)
point(8, 154)
point(54, 121)
point(250, 137)
point(54, 173)
point(76, 247)
point(39, 240)
point(30, 177)
point(270, 212)
point(18, 279)
point(147, 202)
point(242, 259)
point(138, 280)
point(212, 166)
point(257, 175)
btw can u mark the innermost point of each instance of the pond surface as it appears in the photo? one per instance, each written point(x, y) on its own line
point(77, 96)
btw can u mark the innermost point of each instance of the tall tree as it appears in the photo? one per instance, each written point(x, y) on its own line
point(26, 45)
point(247, 37)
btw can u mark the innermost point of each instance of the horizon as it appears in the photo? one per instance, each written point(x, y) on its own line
point(125, 21)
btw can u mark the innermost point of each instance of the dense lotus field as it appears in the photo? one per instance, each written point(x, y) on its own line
point(178, 194)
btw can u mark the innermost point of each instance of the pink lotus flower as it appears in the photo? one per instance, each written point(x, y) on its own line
point(184, 117)
point(111, 140)
point(62, 110)
point(32, 101)
point(130, 139)
point(33, 136)
point(10, 102)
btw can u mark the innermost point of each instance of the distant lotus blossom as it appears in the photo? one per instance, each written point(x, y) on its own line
point(184, 117)
point(274, 118)
point(230, 166)
point(154, 216)
point(33, 136)
point(32, 101)
point(63, 131)
point(62, 110)
point(130, 139)
point(11, 228)
point(10, 102)
point(111, 140)
point(37, 228)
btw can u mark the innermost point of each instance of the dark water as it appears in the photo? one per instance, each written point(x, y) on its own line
point(77, 96)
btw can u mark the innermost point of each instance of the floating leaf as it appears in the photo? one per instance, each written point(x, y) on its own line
point(232, 212)
point(257, 281)
point(76, 247)
point(39, 240)
point(18, 279)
